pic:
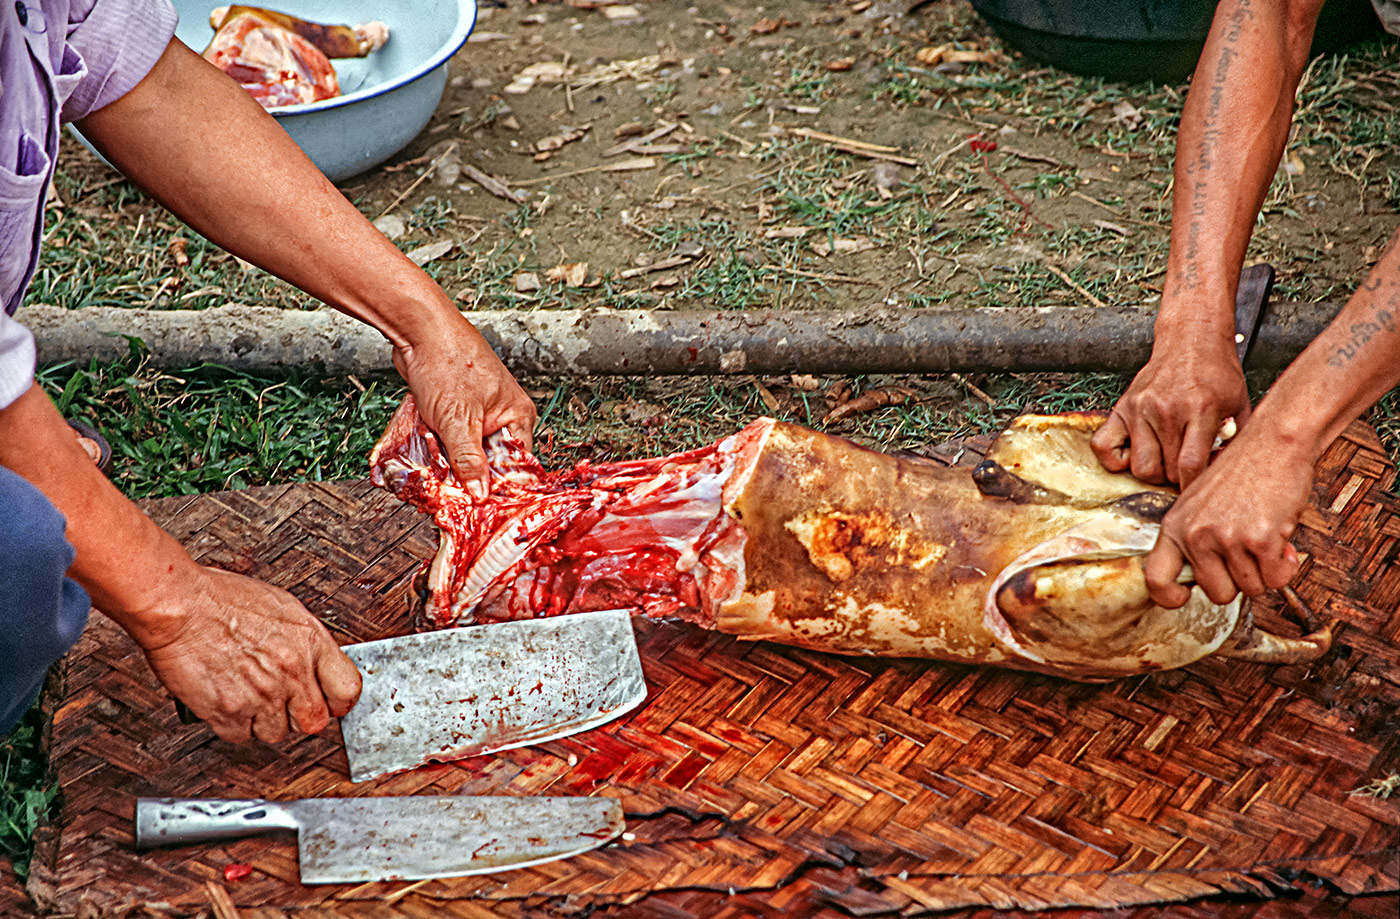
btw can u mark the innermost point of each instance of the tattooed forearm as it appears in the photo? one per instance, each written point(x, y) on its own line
point(1382, 320)
point(1211, 134)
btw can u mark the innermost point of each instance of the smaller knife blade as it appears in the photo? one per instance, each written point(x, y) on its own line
point(352, 840)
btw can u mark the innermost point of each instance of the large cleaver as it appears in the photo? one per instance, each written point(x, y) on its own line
point(345, 840)
point(440, 696)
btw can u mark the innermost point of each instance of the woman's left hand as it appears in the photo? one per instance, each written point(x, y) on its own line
point(465, 394)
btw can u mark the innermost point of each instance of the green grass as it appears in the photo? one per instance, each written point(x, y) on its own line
point(26, 794)
point(1386, 417)
point(210, 429)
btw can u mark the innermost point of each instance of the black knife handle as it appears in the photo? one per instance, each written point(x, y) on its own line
point(1251, 300)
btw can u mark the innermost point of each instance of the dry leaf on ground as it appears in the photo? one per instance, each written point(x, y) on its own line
point(555, 141)
point(948, 54)
point(492, 184)
point(431, 252)
point(870, 401)
point(768, 25)
point(841, 246)
point(574, 274)
point(542, 72)
point(1127, 114)
point(621, 12)
point(178, 249)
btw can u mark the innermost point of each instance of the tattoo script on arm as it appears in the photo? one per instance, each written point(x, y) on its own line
point(1211, 137)
point(1382, 320)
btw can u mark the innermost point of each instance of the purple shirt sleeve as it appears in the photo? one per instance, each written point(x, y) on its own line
point(85, 54)
point(16, 360)
point(119, 41)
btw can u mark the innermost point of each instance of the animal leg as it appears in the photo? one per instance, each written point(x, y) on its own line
point(1263, 647)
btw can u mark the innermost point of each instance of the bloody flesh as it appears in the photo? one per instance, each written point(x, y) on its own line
point(276, 66)
point(649, 535)
point(282, 60)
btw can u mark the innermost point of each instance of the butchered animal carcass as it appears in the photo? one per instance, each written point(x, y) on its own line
point(283, 60)
point(1031, 561)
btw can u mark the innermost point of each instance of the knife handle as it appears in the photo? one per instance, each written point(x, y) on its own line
point(178, 821)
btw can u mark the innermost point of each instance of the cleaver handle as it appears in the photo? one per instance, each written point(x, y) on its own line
point(180, 821)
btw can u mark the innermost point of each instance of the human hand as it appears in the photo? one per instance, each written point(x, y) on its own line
point(1163, 427)
point(1233, 524)
point(464, 394)
point(249, 660)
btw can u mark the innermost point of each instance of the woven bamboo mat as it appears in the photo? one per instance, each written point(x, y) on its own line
point(766, 780)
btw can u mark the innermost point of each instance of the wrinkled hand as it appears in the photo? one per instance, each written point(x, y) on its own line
point(1163, 427)
point(251, 661)
point(1233, 524)
point(465, 394)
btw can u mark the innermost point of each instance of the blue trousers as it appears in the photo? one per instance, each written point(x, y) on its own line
point(42, 612)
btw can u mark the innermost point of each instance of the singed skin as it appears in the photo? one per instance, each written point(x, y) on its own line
point(857, 552)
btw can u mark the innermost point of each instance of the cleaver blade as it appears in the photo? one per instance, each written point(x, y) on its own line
point(352, 840)
point(447, 695)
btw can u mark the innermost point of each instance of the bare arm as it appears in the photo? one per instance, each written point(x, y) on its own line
point(245, 656)
point(1234, 522)
point(202, 147)
point(1233, 130)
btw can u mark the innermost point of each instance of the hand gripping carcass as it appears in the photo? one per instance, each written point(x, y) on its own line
point(1030, 561)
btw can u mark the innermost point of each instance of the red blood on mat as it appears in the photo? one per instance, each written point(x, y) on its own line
point(237, 871)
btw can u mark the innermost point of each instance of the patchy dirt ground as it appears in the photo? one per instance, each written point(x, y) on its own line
point(677, 158)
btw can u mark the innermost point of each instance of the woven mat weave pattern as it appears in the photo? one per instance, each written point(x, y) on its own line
point(766, 780)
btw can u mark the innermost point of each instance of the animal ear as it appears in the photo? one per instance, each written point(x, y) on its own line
point(1077, 606)
point(1052, 456)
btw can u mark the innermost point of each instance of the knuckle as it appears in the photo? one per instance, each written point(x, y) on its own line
point(290, 662)
point(312, 721)
point(1147, 470)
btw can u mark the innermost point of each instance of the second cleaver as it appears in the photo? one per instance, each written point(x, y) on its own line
point(346, 840)
point(440, 696)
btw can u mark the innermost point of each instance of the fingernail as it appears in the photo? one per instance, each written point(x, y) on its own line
point(477, 489)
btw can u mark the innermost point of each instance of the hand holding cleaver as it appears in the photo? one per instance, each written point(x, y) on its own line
point(441, 696)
